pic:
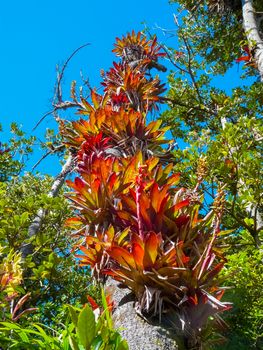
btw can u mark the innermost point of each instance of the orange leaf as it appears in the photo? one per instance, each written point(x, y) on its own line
point(181, 204)
point(138, 254)
point(72, 222)
point(151, 249)
point(122, 256)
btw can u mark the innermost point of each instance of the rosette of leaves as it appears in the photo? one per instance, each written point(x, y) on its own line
point(132, 222)
point(160, 248)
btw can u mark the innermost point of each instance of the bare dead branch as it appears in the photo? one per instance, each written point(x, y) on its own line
point(58, 103)
point(62, 105)
point(58, 91)
point(43, 117)
point(52, 151)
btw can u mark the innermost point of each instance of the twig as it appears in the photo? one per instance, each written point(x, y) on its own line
point(57, 99)
point(58, 148)
point(58, 92)
point(180, 103)
point(171, 60)
point(190, 72)
point(42, 118)
point(62, 105)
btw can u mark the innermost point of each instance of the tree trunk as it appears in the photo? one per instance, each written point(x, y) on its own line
point(139, 334)
point(253, 35)
point(35, 226)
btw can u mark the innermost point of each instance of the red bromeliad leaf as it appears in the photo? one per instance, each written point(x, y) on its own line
point(182, 220)
point(143, 213)
point(110, 302)
point(96, 99)
point(169, 258)
point(93, 303)
point(119, 100)
point(97, 144)
point(144, 49)
point(246, 49)
point(246, 58)
point(243, 58)
point(181, 204)
point(134, 84)
point(182, 259)
point(209, 276)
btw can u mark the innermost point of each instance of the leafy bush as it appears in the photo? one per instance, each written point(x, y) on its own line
point(85, 330)
point(245, 277)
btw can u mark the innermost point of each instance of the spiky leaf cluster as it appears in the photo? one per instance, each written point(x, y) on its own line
point(132, 223)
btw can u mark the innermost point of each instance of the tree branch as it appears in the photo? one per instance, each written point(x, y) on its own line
point(189, 61)
point(252, 33)
point(58, 91)
point(35, 226)
point(58, 102)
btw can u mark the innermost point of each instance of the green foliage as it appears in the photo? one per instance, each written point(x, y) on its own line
point(14, 153)
point(232, 158)
point(245, 276)
point(50, 274)
point(84, 330)
point(215, 29)
point(223, 134)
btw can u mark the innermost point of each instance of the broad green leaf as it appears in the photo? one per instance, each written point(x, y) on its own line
point(86, 327)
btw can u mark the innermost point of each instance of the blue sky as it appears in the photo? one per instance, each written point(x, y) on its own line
point(37, 35)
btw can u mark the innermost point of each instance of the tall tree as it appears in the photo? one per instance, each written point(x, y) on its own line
point(224, 129)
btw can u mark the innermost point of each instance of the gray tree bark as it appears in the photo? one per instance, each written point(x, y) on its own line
point(139, 334)
point(253, 34)
point(35, 226)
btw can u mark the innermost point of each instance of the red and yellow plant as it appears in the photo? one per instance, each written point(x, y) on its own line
point(132, 222)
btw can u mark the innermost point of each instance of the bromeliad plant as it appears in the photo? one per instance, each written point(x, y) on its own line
point(12, 304)
point(132, 223)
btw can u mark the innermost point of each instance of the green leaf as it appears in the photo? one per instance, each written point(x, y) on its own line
point(24, 217)
point(44, 335)
point(73, 343)
point(123, 345)
point(23, 336)
point(106, 309)
point(98, 341)
point(86, 327)
point(225, 232)
point(73, 315)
